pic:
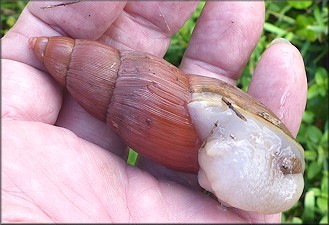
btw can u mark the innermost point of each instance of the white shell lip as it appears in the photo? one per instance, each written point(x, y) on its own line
point(240, 161)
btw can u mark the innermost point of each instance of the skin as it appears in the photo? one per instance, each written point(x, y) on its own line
point(61, 165)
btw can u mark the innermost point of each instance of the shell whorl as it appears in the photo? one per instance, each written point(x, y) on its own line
point(143, 98)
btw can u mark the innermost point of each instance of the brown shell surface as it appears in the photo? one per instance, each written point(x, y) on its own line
point(148, 110)
point(88, 69)
point(55, 53)
point(91, 76)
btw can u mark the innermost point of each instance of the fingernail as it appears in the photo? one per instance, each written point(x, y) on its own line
point(32, 41)
point(279, 40)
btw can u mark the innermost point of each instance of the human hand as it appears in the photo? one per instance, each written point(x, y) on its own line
point(51, 174)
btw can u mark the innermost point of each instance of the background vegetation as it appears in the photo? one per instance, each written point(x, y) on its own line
point(304, 24)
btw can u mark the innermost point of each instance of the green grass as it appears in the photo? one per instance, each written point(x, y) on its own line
point(304, 24)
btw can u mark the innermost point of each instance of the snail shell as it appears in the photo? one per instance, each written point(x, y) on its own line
point(242, 152)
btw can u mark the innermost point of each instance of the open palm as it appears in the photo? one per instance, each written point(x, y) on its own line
point(62, 165)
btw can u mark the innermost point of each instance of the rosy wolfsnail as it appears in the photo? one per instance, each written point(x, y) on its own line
point(242, 152)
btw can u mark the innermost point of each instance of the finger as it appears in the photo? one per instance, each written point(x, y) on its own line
point(162, 173)
point(254, 216)
point(52, 175)
point(148, 26)
point(225, 35)
point(36, 97)
point(85, 19)
point(76, 119)
point(279, 81)
point(24, 98)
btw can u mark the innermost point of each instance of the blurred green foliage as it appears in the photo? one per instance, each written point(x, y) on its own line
point(10, 11)
point(305, 25)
